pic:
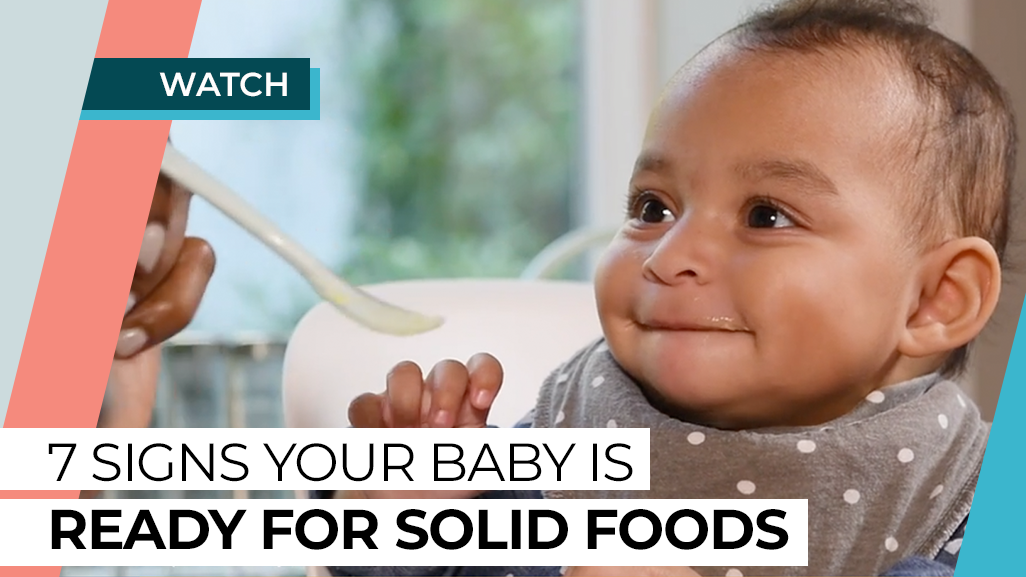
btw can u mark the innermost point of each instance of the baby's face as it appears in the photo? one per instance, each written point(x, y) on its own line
point(765, 272)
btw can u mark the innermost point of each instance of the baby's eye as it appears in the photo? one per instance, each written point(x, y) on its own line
point(652, 211)
point(766, 216)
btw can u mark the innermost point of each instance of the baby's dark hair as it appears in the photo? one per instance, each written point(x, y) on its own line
point(964, 143)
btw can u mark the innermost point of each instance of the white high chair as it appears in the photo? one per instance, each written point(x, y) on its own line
point(530, 326)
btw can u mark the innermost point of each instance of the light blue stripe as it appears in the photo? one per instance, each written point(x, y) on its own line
point(55, 43)
point(313, 114)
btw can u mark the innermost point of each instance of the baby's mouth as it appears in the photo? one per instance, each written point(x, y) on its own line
point(704, 324)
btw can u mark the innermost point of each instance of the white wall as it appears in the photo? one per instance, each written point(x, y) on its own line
point(996, 35)
point(621, 79)
point(685, 26)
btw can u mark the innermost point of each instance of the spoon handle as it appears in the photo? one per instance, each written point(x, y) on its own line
point(365, 309)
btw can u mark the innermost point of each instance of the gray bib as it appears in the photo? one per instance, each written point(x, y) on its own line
point(892, 479)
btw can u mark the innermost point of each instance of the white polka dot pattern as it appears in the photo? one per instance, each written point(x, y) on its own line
point(891, 544)
point(901, 448)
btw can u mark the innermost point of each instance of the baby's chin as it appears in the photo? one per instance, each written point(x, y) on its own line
point(712, 401)
point(695, 357)
point(703, 385)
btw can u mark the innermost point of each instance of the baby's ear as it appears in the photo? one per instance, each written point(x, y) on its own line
point(960, 285)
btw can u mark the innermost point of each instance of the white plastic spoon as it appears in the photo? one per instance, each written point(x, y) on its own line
point(361, 307)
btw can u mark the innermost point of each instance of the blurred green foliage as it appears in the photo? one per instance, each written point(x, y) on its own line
point(467, 118)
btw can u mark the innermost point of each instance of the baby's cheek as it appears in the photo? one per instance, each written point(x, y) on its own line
point(801, 316)
point(828, 325)
point(617, 277)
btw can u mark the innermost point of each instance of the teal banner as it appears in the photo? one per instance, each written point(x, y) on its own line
point(200, 84)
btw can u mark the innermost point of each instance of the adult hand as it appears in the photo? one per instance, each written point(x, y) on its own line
point(171, 274)
point(170, 278)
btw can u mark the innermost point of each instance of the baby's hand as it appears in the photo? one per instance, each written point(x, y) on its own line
point(452, 395)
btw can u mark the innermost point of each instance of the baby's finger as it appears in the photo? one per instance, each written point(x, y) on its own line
point(405, 385)
point(171, 306)
point(366, 411)
point(447, 382)
point(485, 381)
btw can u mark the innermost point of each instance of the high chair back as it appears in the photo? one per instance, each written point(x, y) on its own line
point(530, 326)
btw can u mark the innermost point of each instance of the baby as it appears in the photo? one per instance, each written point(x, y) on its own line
point(814, 235)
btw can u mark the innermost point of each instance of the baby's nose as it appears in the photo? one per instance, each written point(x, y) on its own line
point(688, 252)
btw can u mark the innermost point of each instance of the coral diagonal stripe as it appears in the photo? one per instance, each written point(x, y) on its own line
point(94, 242)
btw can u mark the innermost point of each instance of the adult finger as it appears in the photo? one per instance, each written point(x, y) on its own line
point(163, 238)
point(171, 306)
